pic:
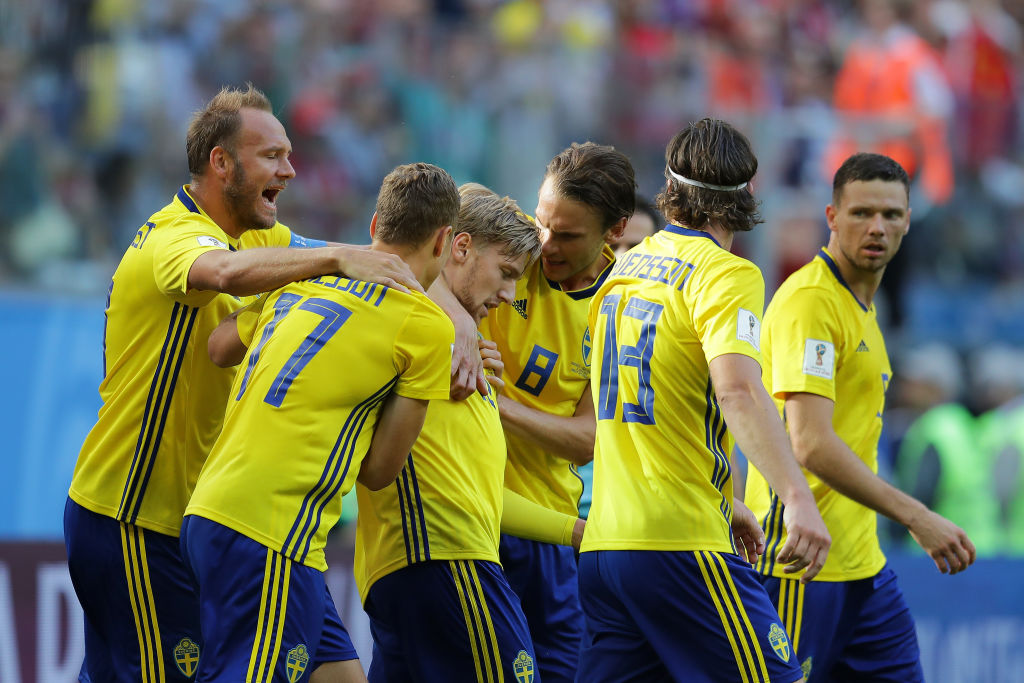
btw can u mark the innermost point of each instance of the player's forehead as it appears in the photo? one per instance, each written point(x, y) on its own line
point(262, 130)
point(560, 214)
point(882, 194)
point(493, 256)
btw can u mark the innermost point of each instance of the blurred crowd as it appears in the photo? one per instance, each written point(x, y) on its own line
point(95, 96)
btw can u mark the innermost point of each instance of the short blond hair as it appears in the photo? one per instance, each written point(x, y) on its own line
point(491, 219)
point(218, 123)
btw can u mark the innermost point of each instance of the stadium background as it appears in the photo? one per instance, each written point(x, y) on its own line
point(95, 96)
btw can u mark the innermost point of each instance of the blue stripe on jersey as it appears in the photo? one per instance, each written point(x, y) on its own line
point(187, 201)
point(823, 255)
point(402, 498)
point(318, 496)
point(714, 433)
point(166, 410)
point(419, 508)
point(772, 527)
point(157, 408)
point(412, 518)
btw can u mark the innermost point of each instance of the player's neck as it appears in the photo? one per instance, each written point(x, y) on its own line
point(863, 283)
point(421, 261)
point(587, 276)
point(211, 201)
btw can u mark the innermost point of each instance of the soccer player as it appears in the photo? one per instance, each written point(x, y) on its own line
point(826, 366)
point(586, 197)
point(337, 369)
point(163, 400)
point(676, 371)
point(426, 560)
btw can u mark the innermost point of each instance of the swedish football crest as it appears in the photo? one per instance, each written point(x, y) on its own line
point(186, 656)
point(522, 666)
point(779, 642)
point(296, 663)
point(587, 346)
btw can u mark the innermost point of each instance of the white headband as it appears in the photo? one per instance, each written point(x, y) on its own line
point(706, 186)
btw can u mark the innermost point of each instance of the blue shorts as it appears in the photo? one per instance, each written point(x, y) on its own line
point(141, 609)
point(679, 616)
point(849, 630)
point(545, 579)
point(265, 617)
point(448, 620)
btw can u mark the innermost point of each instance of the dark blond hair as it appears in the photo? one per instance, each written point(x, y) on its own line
point(414, 201)
point(491, 219)
point(710, 151)
point(217, 124)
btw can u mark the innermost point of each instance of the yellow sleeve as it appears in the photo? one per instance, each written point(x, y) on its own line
point(806, 343)
point(727, 310)
point(525, 519)
point(248, 318)
point(175, 248)
point(423, 352)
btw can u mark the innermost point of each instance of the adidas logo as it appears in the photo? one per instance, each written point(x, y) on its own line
point(520, 306)
point(862, 347)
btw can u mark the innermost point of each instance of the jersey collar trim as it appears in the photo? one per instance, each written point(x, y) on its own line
point(827, 258)
point(189, 203)
point(680, 230)
point(591, 290)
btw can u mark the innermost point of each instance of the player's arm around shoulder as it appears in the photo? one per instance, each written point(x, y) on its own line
point(818, 448)
point(261, 269)
point(758, 430)
point(422, 360)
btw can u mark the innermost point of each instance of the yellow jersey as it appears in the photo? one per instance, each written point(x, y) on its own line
point(163, 399)
point(545, 345)
point(820, 339)
point(662, 479)
point(302, 409)
point(447, 502)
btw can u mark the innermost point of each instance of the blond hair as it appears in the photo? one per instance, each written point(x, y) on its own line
point(491, 219)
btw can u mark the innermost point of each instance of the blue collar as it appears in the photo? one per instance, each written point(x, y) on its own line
point(586, 292)
point(185, 199)
point(679, 230)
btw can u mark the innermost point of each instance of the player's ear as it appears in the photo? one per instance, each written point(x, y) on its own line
point(441, 240)
point(221, 162)
point(614, 233)
point(830, 217)
point(462, 243)
point(373, 225)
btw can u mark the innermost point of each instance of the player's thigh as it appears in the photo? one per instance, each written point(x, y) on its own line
point(545, 578)
point(820, 618)
point(335, 643)
point(263, 619)
point(349, 671)
point(883, 647)
point(706, 616)
point(142, 613)
point(444, 620)
point(613, 647)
